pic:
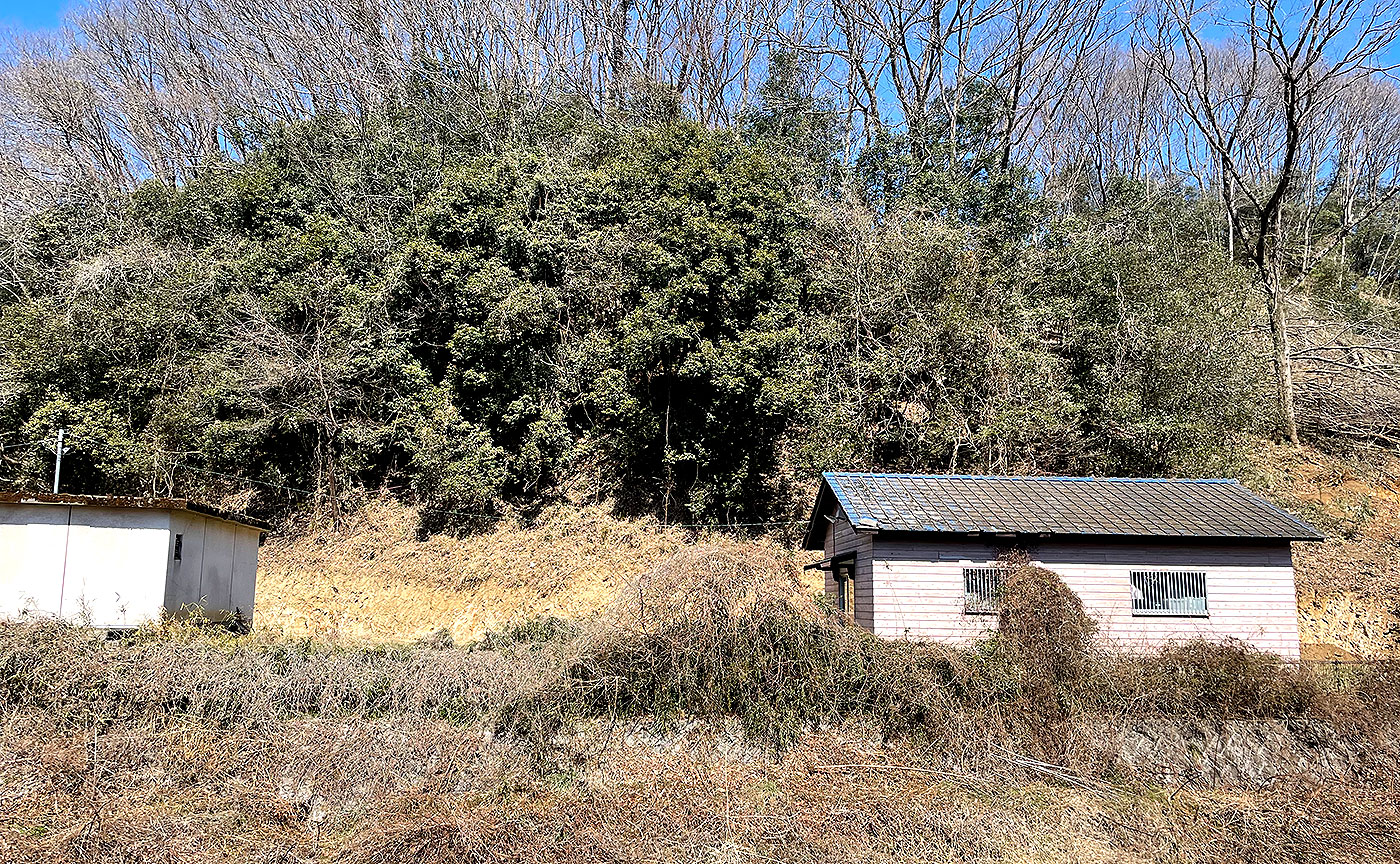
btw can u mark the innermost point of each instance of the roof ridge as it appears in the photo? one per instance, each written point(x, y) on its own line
point(1033, 477)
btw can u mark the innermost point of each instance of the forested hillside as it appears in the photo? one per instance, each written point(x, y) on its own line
point(242, 268)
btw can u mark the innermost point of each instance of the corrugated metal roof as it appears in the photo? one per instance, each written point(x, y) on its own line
point(131, 502)
point(1085, 506)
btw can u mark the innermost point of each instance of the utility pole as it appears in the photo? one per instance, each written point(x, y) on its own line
point(58, 459)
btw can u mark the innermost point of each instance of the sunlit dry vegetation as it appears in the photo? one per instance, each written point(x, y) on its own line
point(380, 579)
point(1348, 585)
point(713, 709)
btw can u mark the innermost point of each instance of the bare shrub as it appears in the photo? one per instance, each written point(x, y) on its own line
point(1208, 679)
point(180, 671)
point(726, 630)
point(1377, 688)
point(707, 586)
point(717, 631)
point(1044, 626)
point(1049, 638)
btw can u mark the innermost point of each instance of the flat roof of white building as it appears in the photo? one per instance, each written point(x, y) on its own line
point(133, 503)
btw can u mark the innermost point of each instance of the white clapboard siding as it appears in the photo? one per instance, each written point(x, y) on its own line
point(842, 539)
point(917, 589)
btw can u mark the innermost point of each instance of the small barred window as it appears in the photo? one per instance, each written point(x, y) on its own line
point(1169, 592)
point(982, 590)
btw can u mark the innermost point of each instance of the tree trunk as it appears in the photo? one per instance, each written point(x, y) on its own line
point(1283, 363)
point(617, 53)
point(1269, 259)
point(1013, 102)
point(327, 483)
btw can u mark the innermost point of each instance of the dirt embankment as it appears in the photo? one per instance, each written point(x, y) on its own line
point(391, 792)
point(377, 581)
point(1348, 585)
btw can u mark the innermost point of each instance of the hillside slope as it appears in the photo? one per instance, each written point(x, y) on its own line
point(192, 745)
point(376, 581)
point(1348, 585)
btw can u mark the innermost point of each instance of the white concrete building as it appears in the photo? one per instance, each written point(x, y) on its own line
point(122, 562)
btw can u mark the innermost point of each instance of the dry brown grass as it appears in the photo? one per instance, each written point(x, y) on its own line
point(717, 631)
point(1354, 496)
point(369, 792)
point(376, 581)
point(705, 710)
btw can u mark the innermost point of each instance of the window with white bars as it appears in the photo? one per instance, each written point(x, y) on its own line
point(1169, 592)
point(982, 590)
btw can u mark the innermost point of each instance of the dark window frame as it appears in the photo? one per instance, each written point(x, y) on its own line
point(845, 584)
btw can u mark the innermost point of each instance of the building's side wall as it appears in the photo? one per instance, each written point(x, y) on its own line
point(182, 584)
point(1249, 589)
point(217, 567)
point(245, 570)
point(216, 580)
point(96, 565)
point(842, 539)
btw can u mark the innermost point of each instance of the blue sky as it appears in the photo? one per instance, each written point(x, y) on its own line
point(32, 14)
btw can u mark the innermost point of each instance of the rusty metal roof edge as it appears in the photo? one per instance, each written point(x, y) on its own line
point(1034, 478)
point(1100, 535)
point(132, 502)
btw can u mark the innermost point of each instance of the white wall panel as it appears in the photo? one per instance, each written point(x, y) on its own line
point(114, 572)
point(33, 543)
point(216, 578)
point(182, 590)
point(245, 570)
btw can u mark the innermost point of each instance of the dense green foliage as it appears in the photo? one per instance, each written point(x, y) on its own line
point(685, 320)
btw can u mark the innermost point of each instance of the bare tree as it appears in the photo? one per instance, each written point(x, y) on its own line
point(141, 88)
point(1256, 105)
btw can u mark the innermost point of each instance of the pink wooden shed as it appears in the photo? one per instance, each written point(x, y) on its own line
point(920, 556)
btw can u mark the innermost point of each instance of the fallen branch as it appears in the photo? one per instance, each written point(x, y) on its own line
point(888, 767)
point(1057, 771)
